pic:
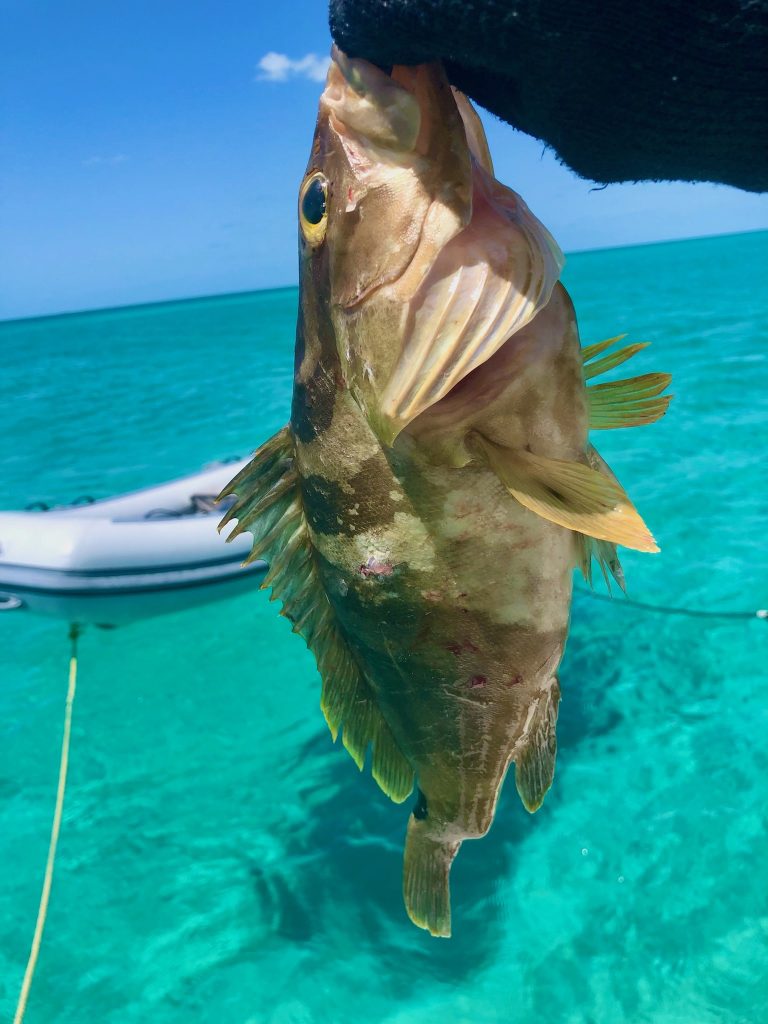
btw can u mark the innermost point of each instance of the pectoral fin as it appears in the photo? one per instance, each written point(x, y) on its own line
point(570, 494)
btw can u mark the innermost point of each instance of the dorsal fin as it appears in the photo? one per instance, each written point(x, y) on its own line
point(269, 506)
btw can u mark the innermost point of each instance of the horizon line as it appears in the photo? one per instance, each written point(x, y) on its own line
point(94, 310)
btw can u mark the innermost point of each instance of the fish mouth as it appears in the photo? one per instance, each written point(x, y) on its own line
point(363, 100)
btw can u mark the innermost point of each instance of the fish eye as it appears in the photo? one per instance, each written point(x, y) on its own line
point(313, 212)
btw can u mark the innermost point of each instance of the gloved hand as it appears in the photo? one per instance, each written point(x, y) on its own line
point(621, 90)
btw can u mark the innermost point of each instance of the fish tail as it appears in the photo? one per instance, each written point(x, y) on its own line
point(426, 868)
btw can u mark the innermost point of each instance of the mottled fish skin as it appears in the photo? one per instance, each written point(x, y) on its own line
point(454, 598)
point(425, 509)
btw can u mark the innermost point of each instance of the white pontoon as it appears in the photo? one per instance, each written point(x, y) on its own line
point(110, 562)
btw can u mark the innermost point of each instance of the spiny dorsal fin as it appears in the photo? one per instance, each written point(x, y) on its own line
point(269, 506)
point(535, 758)
point(631, 402)
point(568, 493)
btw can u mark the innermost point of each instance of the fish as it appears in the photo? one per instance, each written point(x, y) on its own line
point(424, 509)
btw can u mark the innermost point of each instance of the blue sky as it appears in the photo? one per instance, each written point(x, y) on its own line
point(144, 155)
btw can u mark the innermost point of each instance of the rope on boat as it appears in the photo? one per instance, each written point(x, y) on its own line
point(692, 613)
point(74, 633)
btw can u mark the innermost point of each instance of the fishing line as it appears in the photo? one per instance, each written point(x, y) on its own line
point(74, 633)
point(692, 613)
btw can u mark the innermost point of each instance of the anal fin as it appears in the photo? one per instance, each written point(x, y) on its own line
point(535, 759)
point(570, 494)
point(269, 506)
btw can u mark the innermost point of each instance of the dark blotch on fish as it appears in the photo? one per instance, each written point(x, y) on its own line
point(313, 402)
point(394, 603)
point(299, 349)
point(420, 810)
point(323, 499)
point(363, 504)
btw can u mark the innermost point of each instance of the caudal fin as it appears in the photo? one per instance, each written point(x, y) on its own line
point(426, 868)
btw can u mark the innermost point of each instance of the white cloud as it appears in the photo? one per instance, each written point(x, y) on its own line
point(277, 67)
point(116, 158)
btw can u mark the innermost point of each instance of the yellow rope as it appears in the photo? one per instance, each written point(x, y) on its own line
point(74, 632)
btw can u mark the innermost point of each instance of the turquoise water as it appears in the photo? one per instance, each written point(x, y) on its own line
point(221, 862)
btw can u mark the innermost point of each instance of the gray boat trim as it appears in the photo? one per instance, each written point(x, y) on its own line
point(55, 583)
point(158, 588)
point(142, 570)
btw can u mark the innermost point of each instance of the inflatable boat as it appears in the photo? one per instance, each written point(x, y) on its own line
point(141, 554)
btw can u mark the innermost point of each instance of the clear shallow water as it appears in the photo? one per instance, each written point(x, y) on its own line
point(221, 861)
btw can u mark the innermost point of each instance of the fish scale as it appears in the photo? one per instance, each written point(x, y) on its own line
point(424, 509)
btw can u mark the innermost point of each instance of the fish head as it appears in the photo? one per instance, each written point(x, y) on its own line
point(409, 248)
point(389, 150)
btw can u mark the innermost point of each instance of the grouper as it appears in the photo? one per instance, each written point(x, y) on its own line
point(424, 509)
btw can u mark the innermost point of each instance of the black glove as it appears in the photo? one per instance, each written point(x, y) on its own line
point(622, 90)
